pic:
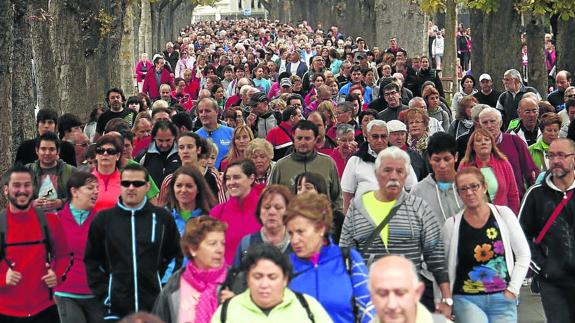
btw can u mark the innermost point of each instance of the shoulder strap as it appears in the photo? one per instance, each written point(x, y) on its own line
point(46, 237)
point(286, 132)
point(224, 313)
point(2, 234)
point(553, 216)
point(348, 263)
point(380, 227)
point(305, 305)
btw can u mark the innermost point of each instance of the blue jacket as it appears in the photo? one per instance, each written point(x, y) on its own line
point(367, 95)
point(331, 285)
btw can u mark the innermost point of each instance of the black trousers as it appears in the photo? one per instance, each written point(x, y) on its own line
point(49, 315)
point(558, 301)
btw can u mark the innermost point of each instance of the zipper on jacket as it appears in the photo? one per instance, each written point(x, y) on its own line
point(108, 300)
point(153, 227)
point(134, 261)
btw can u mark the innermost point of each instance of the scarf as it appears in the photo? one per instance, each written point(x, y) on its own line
point(418, 145)
point(206, 282)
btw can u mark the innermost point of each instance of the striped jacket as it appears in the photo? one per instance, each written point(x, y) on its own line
point(413, 232)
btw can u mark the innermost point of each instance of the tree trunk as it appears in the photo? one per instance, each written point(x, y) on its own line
point(477, 43)
point(127, 58)
point(537, 70)
point(502, 53)
point(6, 47)
point(564, 45)
point(22, 96)
point(145, 30)
point(403, 20)
point(46, 85)
point(156, 28)
point(450, 51)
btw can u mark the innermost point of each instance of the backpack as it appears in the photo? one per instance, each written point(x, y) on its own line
point(348, 263)
point(299, 296)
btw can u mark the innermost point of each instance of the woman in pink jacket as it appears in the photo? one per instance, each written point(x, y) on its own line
point(239, 212)
point(142, 68)
point(483, 153)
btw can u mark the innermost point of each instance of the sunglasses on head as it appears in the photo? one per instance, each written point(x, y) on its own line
point(110, 151)
point(135, 183)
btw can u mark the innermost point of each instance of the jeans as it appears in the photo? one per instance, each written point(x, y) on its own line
point(49, 315)
point(558, 301)
point(488, 308)
point(72, 310)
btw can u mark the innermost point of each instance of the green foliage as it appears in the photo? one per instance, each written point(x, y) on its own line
point(210, 3)
point(105, 21)
point(564, 8)
point(432, 6)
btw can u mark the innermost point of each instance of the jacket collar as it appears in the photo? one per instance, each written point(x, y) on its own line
point(304, 157)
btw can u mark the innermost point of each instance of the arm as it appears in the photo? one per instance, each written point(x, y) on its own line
point(512, 192)
point(95, 258)
point(335, 188)
point(171, 247)
point(432, 246)
point(60, 248)
point(347, 197)
point(521, 251)
point(347, 230)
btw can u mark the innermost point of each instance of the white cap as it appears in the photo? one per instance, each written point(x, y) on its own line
point(484, 77)
point(395, 125)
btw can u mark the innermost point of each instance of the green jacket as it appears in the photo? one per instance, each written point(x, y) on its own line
point(538, 151)
point(242, 309)
point(63, 173)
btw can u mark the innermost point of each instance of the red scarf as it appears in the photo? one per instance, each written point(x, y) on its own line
point(205, 281)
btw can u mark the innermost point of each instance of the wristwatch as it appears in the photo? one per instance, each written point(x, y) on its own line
point(447, 301)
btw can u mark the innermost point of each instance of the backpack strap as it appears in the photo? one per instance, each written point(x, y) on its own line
point(3, 235)
point(348, 263)
point(224, 313)
point(380, 227)
point(305, 305)
point(46, 237)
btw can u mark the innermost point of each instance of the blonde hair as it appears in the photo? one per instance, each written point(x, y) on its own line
point(312, 206)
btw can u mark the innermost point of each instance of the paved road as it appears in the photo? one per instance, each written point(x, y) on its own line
point(530, 309)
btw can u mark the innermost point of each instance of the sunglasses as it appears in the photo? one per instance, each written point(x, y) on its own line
point(110, 151)
point(135, 183)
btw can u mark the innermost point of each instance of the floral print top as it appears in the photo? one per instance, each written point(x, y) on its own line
point(481, 267)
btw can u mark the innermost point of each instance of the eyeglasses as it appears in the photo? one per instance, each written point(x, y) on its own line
point(135, 183)
point(110, 151)
point(84, 144)
point(390, 93)
point(473, 188)
point(570, 96)
point(559, 156)
point(376, 136)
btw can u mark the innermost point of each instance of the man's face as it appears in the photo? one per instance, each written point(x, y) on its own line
point(160, 64)
point(511, 84)
point(486, 85)
point(345, 143)
point(187, 75)
point(561, 159)
point(143, 129)
point(46, 126)
point(239, 73)
point(134, 187)
point(491, 123)
point(443, 166)
point(128, 149)
point(261, 108)
point(161, 116)
point(377, 138)
point(394, 295)
point(528, 113)
point(164, 140)
point(228, 75)
point(569, 95)
point(316, 119)
point(562, 82)
point(47, 153)
point(342, 116)
point(115, 101)
point(391, 97)
point(304, 141)
point(81, 143)
point(207, 114)
point(318, 63)
point(571, 113)
point(400, 56)
point(391, 177)
point(398, 138)
point(356, 77)
point(165, 94)
point(19, 190)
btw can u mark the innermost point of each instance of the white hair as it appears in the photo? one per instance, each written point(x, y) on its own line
point(376, 123)
point(491, 110)
point(412, 102)
point(393, 152)
point(514, 74)
point(244, 89)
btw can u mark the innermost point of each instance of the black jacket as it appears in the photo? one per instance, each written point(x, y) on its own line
point(554, 258)
point(117, 269)
point(159, 164)
point(430, 75)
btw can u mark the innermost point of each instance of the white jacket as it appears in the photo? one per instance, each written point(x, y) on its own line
point(514, 242)
point(438, 46)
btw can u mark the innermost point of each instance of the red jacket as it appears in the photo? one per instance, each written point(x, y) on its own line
point(76, 235)
point(280, 140)
point(31, 295)
point(151, 88)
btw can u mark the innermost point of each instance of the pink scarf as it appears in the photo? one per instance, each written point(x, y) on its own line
point(206, 282)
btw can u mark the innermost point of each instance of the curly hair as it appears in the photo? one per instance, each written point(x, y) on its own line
point(313, 207)
point(196, 231)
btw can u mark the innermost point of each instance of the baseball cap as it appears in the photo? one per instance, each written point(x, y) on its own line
point(484, 77)
point(395, 125)
point(258, 98)
point(286, 82)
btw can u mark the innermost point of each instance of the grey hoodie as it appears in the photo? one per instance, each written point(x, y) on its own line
point(444, 204)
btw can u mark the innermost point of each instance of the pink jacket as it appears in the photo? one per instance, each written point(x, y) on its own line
point(241, 219)
point(77, 235)
point(507, 193)
point(108, 190)
point(151, 88)
point(139, 74)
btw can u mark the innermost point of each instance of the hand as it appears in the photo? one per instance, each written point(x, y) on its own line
point(13, 277)
point(252, 119)
point(52, 204)
point(50, 278)
point(226, 294)
point(444, 309)
point(509, 295)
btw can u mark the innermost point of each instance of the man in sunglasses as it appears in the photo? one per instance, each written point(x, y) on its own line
point(128, 248)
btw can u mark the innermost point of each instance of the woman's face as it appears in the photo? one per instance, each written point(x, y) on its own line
point(297, 85)
point(364, 121)
point(210, 252)
point(471, 191)
point(143, 129)
point(134, 106)
point(416, 126)
point(334, 89)
point(433, 101)
point(185, 189)
point(387, 70)
point(482, 145)
point(238, 184)
point(262, 162)
point(85, 196)
point(241, 141)
point(107, 157)
point(266, 282)
point(305, 186)
point(318, 82)
point(550, 133)
point(306, 237)
point(272, 211)
point(187, 150)
point(424, 63)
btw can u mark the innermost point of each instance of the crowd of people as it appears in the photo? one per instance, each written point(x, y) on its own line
point(277, 172)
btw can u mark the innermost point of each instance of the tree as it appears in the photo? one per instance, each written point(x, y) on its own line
point(6, 48)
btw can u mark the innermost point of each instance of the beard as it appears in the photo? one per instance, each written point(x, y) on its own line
point(14, 201)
